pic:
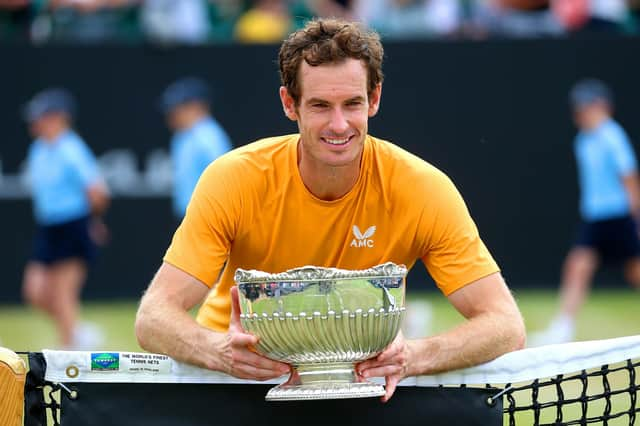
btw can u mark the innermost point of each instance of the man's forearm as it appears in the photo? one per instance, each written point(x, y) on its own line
point(479, 340)
point(163, 328)
point(164, 325)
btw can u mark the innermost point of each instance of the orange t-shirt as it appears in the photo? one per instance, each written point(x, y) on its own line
point(251, 210)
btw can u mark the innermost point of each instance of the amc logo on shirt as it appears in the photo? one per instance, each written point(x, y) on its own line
point(362, 240)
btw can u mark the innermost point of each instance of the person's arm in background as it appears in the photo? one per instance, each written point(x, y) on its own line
point(632, 184)
point(626, 164)
point(164, 325)
point(494, 326)
point(99, 200)
point(88, 171)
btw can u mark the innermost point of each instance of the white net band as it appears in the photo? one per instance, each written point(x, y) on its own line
point(519, 366)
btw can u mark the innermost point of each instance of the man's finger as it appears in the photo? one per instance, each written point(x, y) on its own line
point(382, 371)
point(243, 340)
point(368, 365)
point(388, 359)
point(390, 388)
point(259, 361)
point(389, 353)
point(247, 371)
point(235, 306)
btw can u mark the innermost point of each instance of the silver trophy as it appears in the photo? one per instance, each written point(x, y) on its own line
point(323, 321)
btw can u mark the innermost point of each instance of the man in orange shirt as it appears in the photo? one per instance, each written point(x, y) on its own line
point(329, 196)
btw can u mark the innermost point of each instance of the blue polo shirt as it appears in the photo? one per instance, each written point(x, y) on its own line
point(60, 173)
point(604, 156)
point(191, 152)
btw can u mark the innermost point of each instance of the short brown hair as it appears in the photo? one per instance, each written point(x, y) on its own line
point(324, 41)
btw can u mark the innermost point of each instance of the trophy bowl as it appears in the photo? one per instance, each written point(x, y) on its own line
point(323, 321)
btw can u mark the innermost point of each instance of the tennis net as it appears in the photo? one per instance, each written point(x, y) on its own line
point(570, 384)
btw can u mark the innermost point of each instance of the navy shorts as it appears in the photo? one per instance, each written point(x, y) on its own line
point(615, 240)
point(63, 241)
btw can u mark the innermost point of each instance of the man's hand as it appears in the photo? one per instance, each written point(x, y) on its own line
point(494, 326)
point(98, 231)
point(164, 325)
point(238, 353)
point(392, 363)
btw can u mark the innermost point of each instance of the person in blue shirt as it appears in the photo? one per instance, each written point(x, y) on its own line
point(69, 197)
point(198, 139)
point(609, 205)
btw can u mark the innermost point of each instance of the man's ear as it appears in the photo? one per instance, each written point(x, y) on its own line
point(374, 100)
point(288, 104)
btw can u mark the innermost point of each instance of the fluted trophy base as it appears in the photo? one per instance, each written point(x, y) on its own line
point(324, 381)
point(327, 391)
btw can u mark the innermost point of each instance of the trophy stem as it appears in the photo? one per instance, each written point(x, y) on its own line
point(311, 374)
point(324, 381)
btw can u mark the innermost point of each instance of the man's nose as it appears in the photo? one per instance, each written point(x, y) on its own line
point(339, 124)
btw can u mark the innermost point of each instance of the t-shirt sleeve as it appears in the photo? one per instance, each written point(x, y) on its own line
point(223, 142)
point(209, 144)
point(453, 253)
point(201, 243)
point(622, 152)
point(84, 163)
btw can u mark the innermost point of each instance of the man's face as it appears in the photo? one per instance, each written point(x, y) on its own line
point(177, 117)
point(333, 112)
point(49, 126)
point(184, 115)
point(589, 116)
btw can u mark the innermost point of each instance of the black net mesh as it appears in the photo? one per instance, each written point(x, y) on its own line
point(604, 395)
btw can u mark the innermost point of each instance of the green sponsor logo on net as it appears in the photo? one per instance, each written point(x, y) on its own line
point(105, 361)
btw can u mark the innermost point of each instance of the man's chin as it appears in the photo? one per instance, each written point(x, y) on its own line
point(345, 161)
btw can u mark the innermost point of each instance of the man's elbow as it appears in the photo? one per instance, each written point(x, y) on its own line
point(142, 329)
